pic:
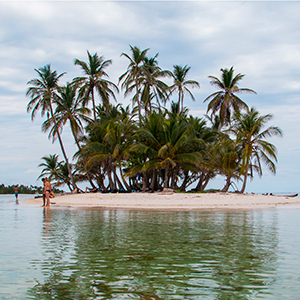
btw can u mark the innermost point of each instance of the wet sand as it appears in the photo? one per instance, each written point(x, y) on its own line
point(170, 201)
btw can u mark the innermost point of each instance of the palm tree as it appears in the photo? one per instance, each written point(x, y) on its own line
point(181, 85)
point(63, 176)
point(107, 144)
point(152, 86)
point(42, 92)
point(50, 166)
point(95, 73)
point(169, 145)
point(209, 137)
point(250, 132)
point(144, 151)
point(226, 159)
point(225, 99)
point(132, 77)
point(68, 108)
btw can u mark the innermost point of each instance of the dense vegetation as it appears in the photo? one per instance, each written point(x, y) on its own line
point(146, 146)
point(10, 189)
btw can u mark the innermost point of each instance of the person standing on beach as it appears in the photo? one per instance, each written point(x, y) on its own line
point(47, 190)
point(17, 193)
point(44, 193)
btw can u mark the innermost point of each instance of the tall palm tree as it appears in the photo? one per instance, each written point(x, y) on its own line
point(226, 100)
point(250, 132)
point(42, 92)
point(152, 86)
point(68, 108)
point(181, 85)
point(134, 74)
point(95, 73)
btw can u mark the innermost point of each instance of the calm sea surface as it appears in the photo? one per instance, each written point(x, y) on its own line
point(63, 253)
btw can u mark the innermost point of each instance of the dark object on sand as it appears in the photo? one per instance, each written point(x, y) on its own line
point(290, 196)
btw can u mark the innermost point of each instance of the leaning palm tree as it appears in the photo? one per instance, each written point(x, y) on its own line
point(68, 108)
point(133, 76)
point(95, 79)
point(250, 132)
point(181, 85)
point(42, 92)
point(225, 100)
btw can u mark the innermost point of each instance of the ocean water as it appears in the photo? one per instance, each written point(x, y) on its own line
point(69, 253)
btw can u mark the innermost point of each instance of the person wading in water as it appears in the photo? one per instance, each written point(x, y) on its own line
point(17, 193)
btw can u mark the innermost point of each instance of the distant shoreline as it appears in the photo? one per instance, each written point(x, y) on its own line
point(169, 201)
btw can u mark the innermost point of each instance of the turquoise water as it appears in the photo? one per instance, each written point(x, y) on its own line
point(63, 253)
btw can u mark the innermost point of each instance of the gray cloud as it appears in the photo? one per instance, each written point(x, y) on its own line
point(260, 39)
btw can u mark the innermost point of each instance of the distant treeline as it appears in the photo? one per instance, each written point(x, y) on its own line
point(10, 189)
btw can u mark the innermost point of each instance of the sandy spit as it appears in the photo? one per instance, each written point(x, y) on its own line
point(170, 201)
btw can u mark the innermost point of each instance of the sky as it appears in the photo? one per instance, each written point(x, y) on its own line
point(260, 39)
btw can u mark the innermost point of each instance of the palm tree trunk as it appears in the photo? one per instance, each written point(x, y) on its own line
point(227, 185)
point(174, 178)
point(166, 183)
point(79, 148)
point(203, 181)
point(185, 181)
point(63, 149)
point(182, 103)
point(124, 180)
point(144, 182)
point(244, 183)
point(153, 179)
point(94, 105)
point(110, 180)
point(75, 138)
point(138, 100)
point(67, 161)
point(200, 182)
point(206, 181)
point(69, 186)
point(99, 179)
point(117, 179)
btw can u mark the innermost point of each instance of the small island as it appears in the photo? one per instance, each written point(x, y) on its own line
point(170, 201)
point(154, 143)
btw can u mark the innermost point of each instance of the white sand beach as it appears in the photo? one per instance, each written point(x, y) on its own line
point(170, 201)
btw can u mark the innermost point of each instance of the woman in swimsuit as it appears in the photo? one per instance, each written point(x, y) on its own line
point(44, 193)
point(47, 189)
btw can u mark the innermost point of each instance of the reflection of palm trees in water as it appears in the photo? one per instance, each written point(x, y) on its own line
point(91, 254)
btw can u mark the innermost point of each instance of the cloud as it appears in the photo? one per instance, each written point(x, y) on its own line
point(260, 39)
